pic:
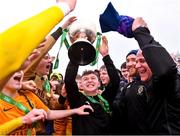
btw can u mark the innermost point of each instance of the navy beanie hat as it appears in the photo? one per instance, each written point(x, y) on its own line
point(132, 52)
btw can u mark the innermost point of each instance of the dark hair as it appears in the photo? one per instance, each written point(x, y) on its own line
point(78, 77)
point(103, 67)
point(97, 72)
point(123, 65)
point(88, 72)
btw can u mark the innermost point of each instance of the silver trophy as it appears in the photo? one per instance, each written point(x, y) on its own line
point(82, 34)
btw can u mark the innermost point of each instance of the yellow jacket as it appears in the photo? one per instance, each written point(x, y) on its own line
point(17, 42)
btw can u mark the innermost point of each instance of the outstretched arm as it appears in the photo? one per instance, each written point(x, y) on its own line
point(57, 114)
point(47, 44)
point(23, 37)
point(157, 57)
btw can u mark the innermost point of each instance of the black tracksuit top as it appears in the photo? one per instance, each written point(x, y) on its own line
point(152, 107)
point(97, 123)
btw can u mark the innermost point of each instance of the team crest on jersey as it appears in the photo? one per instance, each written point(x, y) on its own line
point(140, 90)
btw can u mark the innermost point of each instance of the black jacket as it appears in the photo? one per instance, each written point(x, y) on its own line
point(97, 122)
point(152, 107)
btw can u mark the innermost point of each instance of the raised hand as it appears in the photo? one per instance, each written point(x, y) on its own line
point(138, 22)
point(104, 49)
point(29, 85)
point(69, 22)
point(34, 115)
point(81, 110)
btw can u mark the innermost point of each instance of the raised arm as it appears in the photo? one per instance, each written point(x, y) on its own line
point(71, 85)
point(23, 37)
point(110, 91)
point(158, 59)
point(47, 44)
point(111, 69)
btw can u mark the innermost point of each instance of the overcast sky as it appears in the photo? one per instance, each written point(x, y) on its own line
point(162, 16)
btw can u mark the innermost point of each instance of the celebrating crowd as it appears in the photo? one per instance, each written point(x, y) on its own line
point(141, 97)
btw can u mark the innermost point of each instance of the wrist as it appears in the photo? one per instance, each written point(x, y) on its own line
point(74, 111)
point(104, 55)
point(24, 120)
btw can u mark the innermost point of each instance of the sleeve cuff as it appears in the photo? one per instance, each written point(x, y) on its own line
point(143, 37)
point(107, 57)
point(57, 33)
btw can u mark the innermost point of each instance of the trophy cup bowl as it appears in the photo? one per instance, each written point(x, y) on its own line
point(82, 35)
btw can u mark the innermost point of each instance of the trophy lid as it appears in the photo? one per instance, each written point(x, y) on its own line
point(82, 26)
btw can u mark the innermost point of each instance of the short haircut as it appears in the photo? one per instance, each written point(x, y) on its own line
point(103, 67)
point(78, 77)
point(88, 72)
point(123, 65)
